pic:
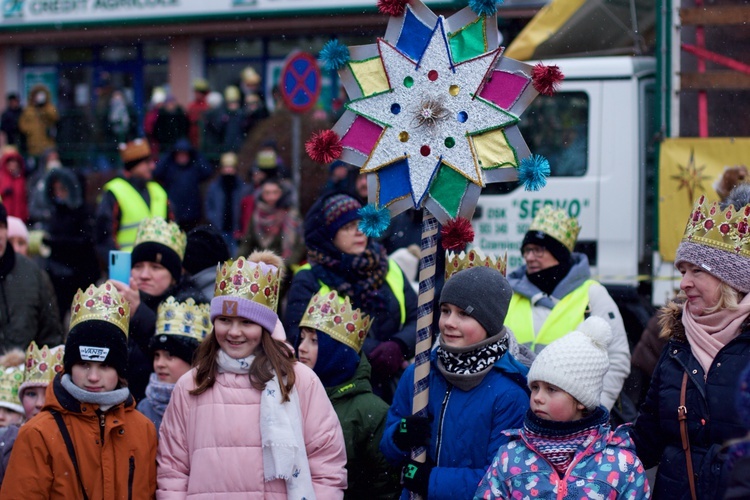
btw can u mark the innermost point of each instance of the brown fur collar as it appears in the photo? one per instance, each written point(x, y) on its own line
point(670, 320)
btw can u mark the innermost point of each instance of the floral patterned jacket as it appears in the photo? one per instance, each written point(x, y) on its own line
point(604, 467)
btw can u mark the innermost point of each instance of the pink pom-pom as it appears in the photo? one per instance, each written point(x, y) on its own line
point(392, 7)
point(324, 146)
point(457, 233)
point(546, 79)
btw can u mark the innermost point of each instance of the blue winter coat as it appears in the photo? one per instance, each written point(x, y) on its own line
point(182, 182)
point(215, 202)
point(604, 467)
point(467, 426)
point(712, 418)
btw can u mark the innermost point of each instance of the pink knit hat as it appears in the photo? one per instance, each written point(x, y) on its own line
point(17, 228)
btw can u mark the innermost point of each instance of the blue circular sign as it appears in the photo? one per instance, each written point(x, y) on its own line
point(300, 82)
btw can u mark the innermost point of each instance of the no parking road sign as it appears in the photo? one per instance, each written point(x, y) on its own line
point(300, 82)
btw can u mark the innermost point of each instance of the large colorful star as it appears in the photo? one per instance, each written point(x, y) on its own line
point(430, 112)
point(434, 113)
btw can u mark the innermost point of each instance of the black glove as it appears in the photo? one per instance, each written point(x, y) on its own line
point(417, 477)
point(412, 431)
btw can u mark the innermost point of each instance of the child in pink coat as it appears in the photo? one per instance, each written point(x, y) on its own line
point(248, 421)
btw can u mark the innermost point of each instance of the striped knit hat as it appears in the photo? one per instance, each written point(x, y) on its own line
point(339, 210)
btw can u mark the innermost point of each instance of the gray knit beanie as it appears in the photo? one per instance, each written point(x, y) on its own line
point(731, 268)
point(483, 293)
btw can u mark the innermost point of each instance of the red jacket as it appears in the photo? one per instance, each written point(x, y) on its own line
point(13, 187)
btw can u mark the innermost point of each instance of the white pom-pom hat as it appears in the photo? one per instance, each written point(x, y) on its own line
point(577, 362)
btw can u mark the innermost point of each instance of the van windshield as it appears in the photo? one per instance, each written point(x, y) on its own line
point(556, 127)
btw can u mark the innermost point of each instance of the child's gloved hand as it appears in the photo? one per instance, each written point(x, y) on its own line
point(417, 477)
point(386, 359)
point(413, 431)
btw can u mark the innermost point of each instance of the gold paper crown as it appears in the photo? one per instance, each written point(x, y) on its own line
point(10, 381)
point(186, 319)
point(458, 262)
point(102, 303)
point(158, 230)
point(42, 364)
point(335, 316)
point(258, 282)
point(723, 229)
point(557, 224)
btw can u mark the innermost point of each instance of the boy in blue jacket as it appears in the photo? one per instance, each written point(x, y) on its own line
point(477, 390)
point(566, 448)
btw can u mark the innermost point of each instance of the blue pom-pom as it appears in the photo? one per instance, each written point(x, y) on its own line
point(374, 220)
point(484, 7)
point(334, 55)
point(533, 172)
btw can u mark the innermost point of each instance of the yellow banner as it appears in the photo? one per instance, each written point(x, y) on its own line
point(688, 168)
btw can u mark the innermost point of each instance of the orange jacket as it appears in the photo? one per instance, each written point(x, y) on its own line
point(121, 466)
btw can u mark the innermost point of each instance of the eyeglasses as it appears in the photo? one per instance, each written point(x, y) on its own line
point(533, 250)
point(350, 227)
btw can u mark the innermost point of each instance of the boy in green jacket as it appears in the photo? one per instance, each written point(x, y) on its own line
point(331, 337)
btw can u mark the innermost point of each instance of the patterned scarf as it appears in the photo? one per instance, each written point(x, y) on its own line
point(359, 277)
point(158, 393)
point(558, 442)
point(275, 224)
point(466, 367)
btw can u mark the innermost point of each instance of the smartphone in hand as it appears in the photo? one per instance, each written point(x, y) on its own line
point(119, 266)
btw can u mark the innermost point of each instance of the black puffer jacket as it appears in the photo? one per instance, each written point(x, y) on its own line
point(711, 415)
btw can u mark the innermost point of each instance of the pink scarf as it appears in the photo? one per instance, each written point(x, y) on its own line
point(707, 334)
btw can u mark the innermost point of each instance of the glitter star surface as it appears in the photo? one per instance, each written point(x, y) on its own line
point(414, 88)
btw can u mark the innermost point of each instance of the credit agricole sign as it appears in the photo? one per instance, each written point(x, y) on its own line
point(40, 12)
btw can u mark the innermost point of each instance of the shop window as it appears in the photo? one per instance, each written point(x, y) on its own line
point(39, 55)
point(282, 47)
point(76, 55)
point(227, 49)
point(155, 52)
point(119, 53)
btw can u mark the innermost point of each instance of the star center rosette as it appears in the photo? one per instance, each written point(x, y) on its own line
point(433, 112)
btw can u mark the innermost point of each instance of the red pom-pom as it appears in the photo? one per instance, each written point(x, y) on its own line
point(324, 146)
point(457, 233)
point(546, 79)
point(392, 7)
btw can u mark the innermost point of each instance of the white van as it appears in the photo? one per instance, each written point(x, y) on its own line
point(599, 135)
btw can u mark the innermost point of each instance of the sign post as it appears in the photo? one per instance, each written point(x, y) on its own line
point(300, 85)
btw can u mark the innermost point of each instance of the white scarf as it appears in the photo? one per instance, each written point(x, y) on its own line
point(284, 452)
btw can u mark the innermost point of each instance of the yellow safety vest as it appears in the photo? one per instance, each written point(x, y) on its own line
point(394, 278)
point(563, 318)
point(133, 208)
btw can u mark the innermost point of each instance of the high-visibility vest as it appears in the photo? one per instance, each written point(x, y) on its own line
point(563, 318)
point(394, 279)
point(133, 208)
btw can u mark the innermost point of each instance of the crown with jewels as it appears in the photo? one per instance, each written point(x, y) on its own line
point(556, 223)
point(10, 382)
point(258, 282)
point(334, 315)
point(158, 230)
point(458, 262)
point(726, 229)
point(42, 364)
point(102, 303)
point(187, 319)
